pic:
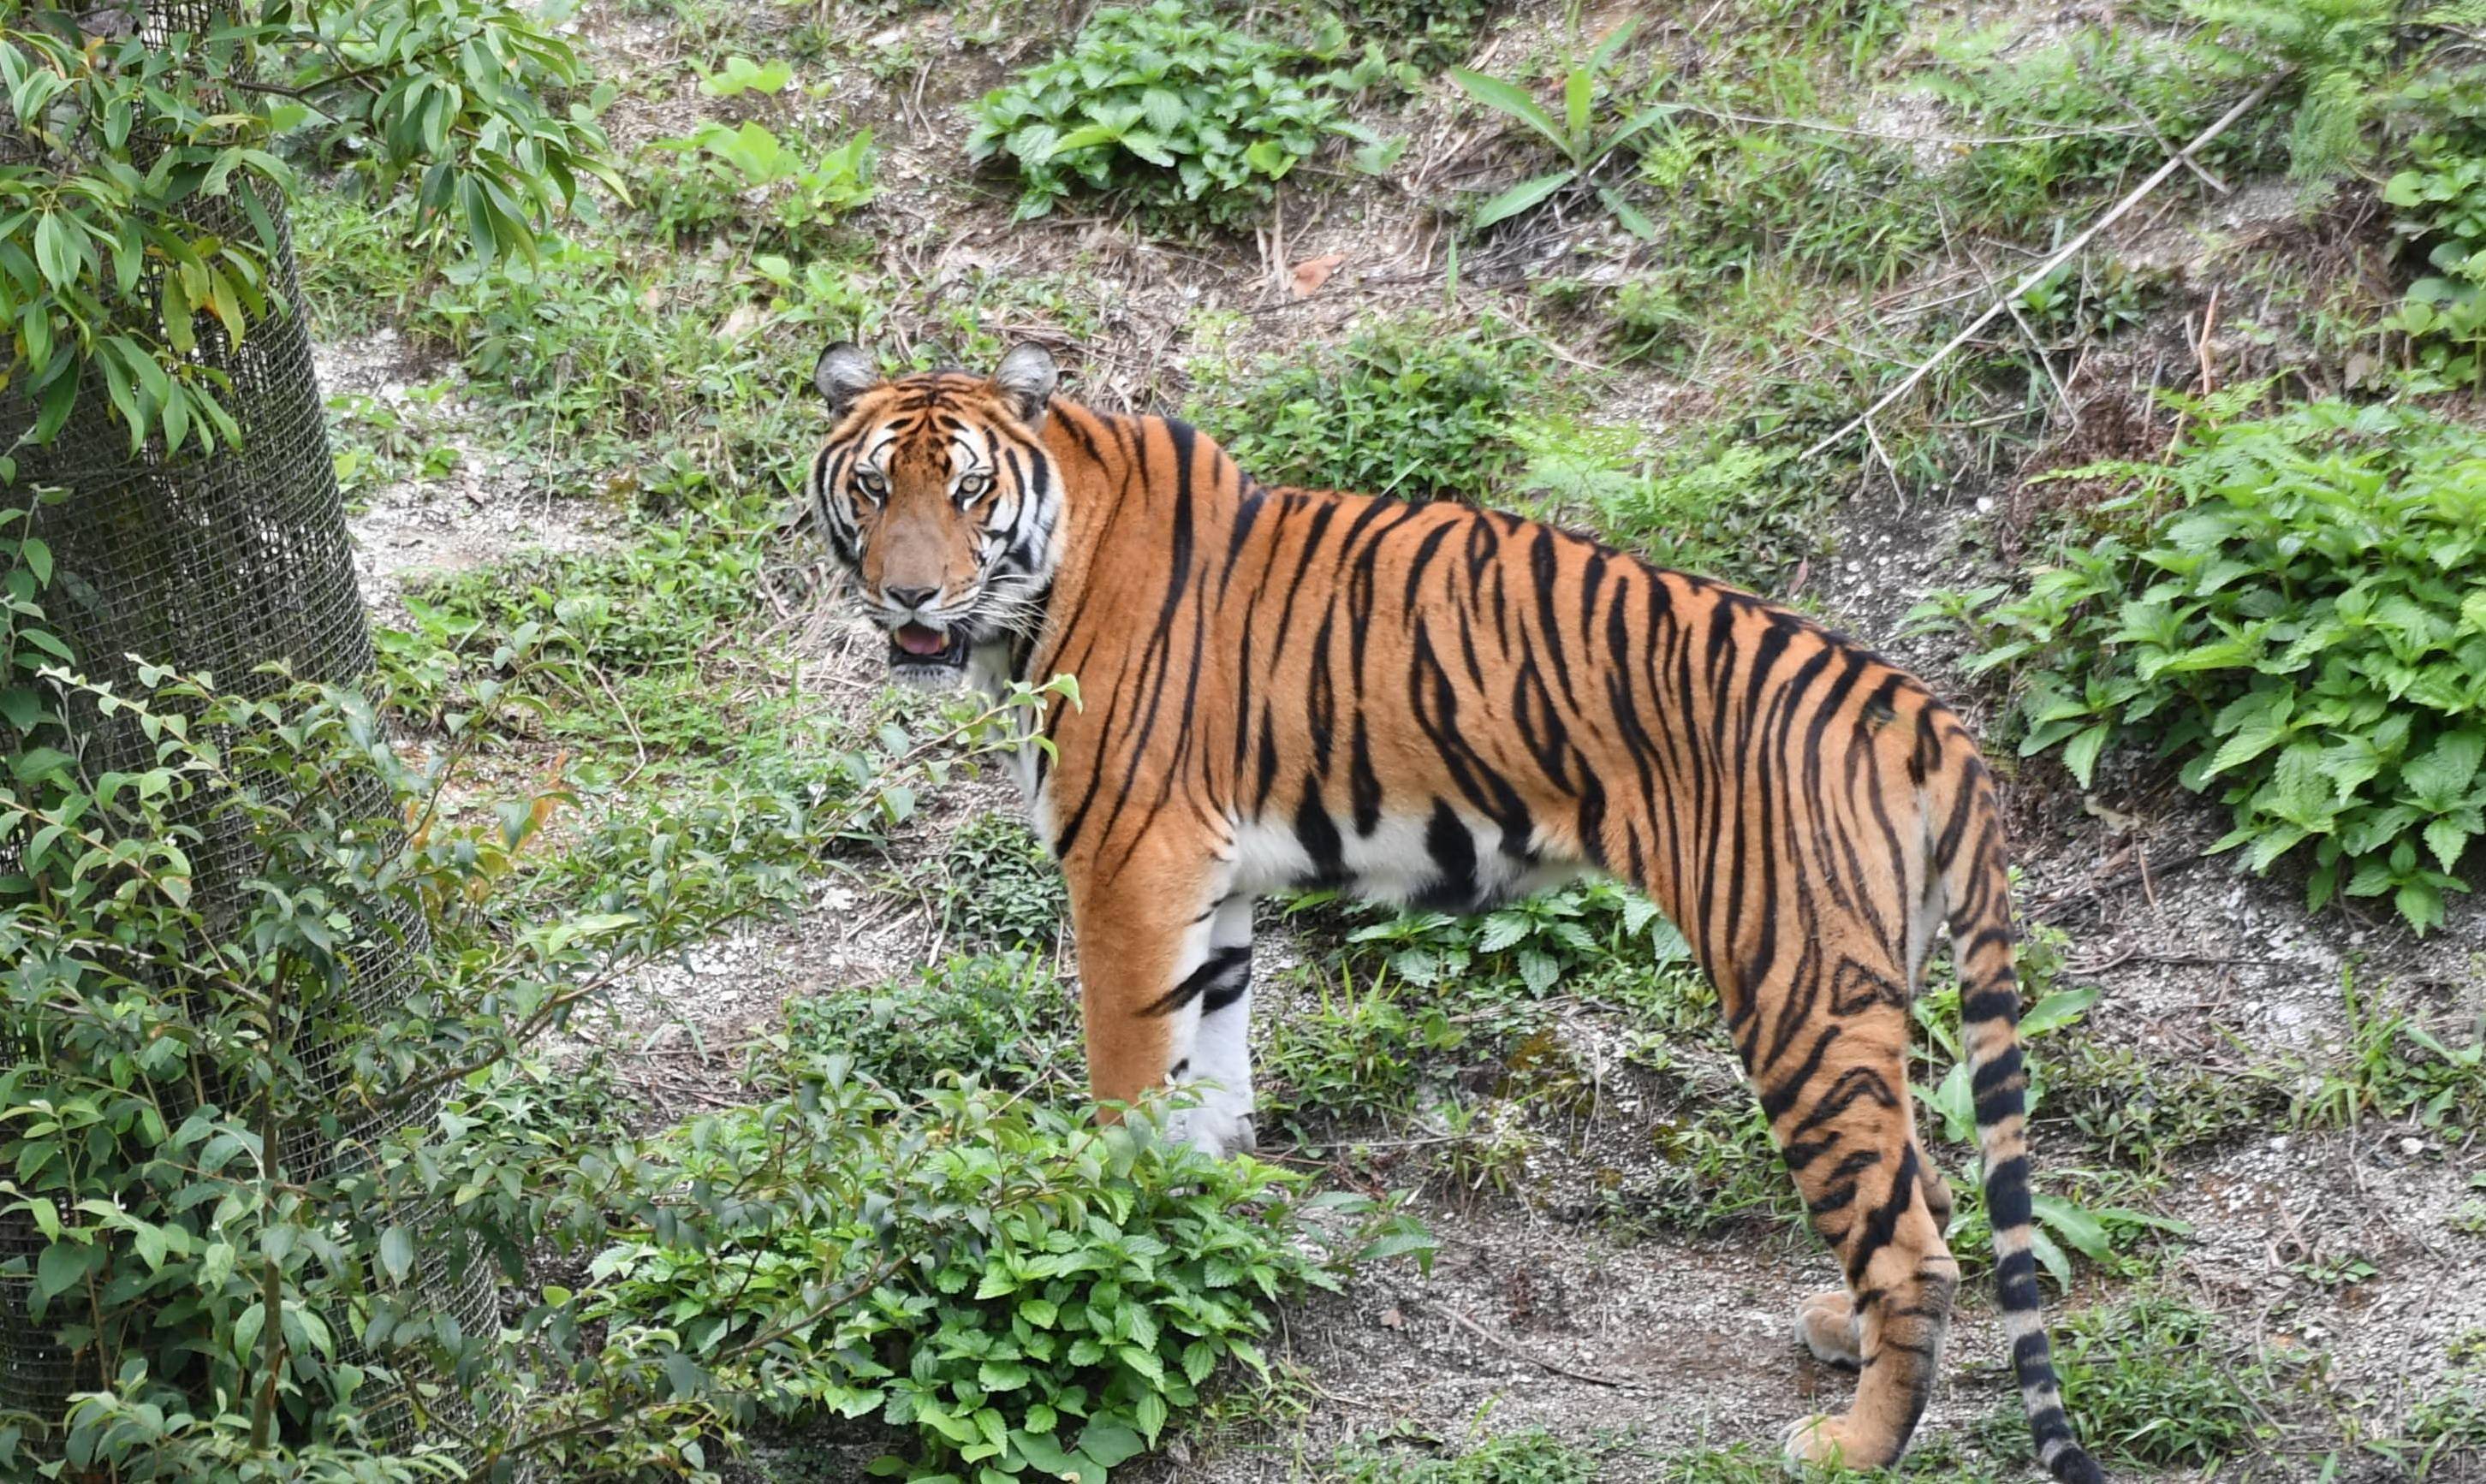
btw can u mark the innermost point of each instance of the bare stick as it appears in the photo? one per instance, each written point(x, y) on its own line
point(2063, 255)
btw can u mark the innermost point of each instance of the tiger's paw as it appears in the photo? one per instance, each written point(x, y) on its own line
point(1220, 1124)
point(1827, 1325)
point(1820, 1442)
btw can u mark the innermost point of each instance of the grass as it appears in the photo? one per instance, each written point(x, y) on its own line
point(1416, 407)
point(2157, 1382)
point(1534, 1456)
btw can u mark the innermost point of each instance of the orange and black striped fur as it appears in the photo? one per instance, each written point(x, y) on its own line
point(1448, 705)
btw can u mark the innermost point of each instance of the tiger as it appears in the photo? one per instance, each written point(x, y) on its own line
point(1449, 706)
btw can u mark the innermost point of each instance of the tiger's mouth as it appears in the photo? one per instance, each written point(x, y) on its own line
point(917, 651)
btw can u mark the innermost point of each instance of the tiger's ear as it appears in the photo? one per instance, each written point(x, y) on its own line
point(844, 372)
point(1026, 380)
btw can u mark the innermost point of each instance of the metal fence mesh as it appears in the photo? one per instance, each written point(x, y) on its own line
point(219, 565)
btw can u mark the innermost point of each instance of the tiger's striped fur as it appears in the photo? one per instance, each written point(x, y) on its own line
point(1448, 705)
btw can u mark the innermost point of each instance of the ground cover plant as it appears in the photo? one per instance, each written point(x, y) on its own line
point(746, 1034)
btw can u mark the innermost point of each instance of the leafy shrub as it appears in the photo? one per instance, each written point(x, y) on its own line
point(1406, 407)
point(716, 172)
point(2300, 624)
point(1000, 888)
point(1177, 114)
point(1019, 1295)
point(1428, 34)
point(1004, 1021)
point(2439, 212)
point(1536, 941)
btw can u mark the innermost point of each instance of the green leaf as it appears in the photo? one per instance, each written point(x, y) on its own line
point(1519, 198)
point(1109, 1443)
point(1513, 100)
point(396, 1253)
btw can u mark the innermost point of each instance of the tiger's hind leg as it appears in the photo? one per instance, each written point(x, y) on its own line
point(1834, 1086)
point(1827, 1323)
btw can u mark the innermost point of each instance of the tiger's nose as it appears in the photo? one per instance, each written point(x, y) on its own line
point(910, 598)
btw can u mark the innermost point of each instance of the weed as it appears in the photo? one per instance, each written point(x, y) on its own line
point(1408, 407)
point(712, 176)
point(2448, 1426)
point(1004, 1021)
point(1536, 941)
point(2295, 622)
point(1177, 114)
point(2398, 1068)
point(2438, 216)
point(2154, 1381)
point(655, 601)
point(1000, 888)
point(1355, 1053)
point(1715, 504)
point(2148, 1112)
point(1585, 140)
point(1427, 34)
point(374, 442)
point(1534, 1456)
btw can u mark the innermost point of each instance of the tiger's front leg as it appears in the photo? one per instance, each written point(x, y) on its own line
point(1165, 971)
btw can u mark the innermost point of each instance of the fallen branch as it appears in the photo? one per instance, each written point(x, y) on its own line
point(1537, 1360)
point(2180, 159)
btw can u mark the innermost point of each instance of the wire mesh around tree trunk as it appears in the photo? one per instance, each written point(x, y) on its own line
point(220, 563)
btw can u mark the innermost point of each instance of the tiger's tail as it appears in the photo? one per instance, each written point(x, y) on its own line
point(1976, 883)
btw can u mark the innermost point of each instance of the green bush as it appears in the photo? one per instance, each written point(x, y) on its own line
point(709, 179)
point(2438, 211)
point(1000, 888)
point(1018, 1295)
point(1176, 114)
point(1408, 407)
point(1003, 1019)
point(1428, 34)
point(2290, 605)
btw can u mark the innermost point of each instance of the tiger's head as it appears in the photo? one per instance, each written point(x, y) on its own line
point(935, 492)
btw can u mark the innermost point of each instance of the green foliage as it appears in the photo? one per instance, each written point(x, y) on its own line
point(1840, 209)
point(2067, 109)
point(718, 172)
point(1354, 1052)
point(1584, 137)
point(2396, 1068)
point(652, 601)
point(1173, 113)
point(2437, 204)
point(1000, 888)
point(1004, 1021)
point(1407, 407)
point(2155, 1383)
point(2298, 622)
point(1536, 942)
point(2338, 51)
point(1428, 34)
point(171, 1131)
point(1017, 1293)
point(1534, 1456)
point(374, 442)
point(127, 139)
point(1717, 503)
